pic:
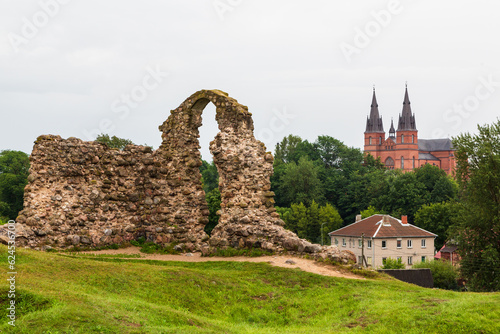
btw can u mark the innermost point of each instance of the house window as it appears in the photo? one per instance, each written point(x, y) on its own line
point(343, 242)
point(384, 260)
point(359, 243)
point(423, 258)
point(413, 138)
point(402, 162)
point(423, 243)
point(399, 243)
point(369, 243)
point(384, 244)
point(370, 141)
point(336, 241)
point(380, 140)
point(369, 261)
point(409, 243)
point(413, 162)
point(410, 260)
point(402, 139)
point(360, 260)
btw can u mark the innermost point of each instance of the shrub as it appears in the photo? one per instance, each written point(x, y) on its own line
point(393, 264)
point(443, 272)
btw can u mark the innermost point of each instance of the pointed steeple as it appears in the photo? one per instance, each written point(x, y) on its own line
point(406, 119)
point(374, 122)
point(392, 131)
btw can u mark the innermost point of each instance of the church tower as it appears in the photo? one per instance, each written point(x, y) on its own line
point(374, 133)
point(407, 137)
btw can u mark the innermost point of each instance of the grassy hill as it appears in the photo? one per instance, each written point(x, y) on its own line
point(60, 294)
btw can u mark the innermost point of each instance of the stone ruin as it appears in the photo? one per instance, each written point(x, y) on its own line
point(85, 194)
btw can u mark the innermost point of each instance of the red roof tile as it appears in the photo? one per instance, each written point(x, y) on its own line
point(374, 228)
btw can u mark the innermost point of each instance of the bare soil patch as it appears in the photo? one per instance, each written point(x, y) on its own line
point(274, 260)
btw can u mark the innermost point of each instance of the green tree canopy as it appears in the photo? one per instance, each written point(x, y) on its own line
point(437, 218)
point(478, 231)
point(113, 142)
point(285, 151)
point(14, 169)
point(311, 222)
point(213, 201)
point(209, 176)
point(370, 211)
point(300, 183)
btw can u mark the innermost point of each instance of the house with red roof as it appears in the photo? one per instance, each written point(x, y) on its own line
point(380, 237)
point(448, 253)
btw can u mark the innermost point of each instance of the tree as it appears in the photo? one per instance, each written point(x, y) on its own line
point(209, 176)
point(113, 142)
point(440, 186)
point(14, 170)
point(370, 211)
point(308, 222)
point(437, 218)
point(285, 150)
point(331, 217)
point(213, 201)
point(335, 154)
point(297, 216)
point(401, 194)
point(300, 183)
point(478, 231)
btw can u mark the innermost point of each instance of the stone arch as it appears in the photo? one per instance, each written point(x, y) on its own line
point(243, 164)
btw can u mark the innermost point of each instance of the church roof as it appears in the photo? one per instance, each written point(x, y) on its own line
point(427, 156)
point(374, 122)
point(406, 118)
point(431, 145)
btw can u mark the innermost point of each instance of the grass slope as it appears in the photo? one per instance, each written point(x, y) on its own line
point(61, 294)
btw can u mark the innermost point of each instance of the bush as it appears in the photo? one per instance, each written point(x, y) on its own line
point(443, 272)
point(393, 264)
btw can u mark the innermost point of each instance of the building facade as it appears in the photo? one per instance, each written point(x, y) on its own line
point(403, 149)
point(380, 237)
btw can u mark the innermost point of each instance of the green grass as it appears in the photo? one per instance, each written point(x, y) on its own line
point(63, 294)
point(229, 252)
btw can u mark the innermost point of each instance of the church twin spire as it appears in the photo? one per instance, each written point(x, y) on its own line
point(406, 118)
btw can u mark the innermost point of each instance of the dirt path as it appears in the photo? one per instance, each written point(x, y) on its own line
point(275, 260)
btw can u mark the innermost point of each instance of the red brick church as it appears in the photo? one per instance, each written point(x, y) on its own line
point(403, 149)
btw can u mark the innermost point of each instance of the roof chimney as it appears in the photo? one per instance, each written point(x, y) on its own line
point(404, 220)
point(386, 221)
point(358, 218)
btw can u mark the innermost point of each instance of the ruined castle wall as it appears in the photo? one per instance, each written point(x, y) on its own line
point(86, 194)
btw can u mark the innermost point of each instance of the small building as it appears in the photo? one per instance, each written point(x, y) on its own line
point(381, 236)
point(448, 253)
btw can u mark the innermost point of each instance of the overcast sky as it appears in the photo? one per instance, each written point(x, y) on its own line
point(77, 68)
